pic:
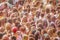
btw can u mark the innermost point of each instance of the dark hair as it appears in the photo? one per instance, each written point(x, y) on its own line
point(17, 25)
point(40, 25)
point(15, 10)
point(55, 39)
point(9, 20)
point(58, 33)
point(21, 2)
point(33, 32)
point(36, 35)
point(1, 35)
point(47, 10)
point(31, 35)
point(48, 38)
point(13, 38)
point(31, 38)
point(1, 13)
point(5, 4)
point(59, 25)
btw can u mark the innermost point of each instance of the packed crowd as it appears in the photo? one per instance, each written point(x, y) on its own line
point(30, 20)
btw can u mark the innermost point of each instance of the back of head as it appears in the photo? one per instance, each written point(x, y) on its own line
point(31, 38)
point(47, 38)
point(13, 38)
point(55, 39)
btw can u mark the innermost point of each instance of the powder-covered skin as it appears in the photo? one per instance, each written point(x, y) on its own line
point(29, 19)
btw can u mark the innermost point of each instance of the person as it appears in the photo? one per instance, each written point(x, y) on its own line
point(29, 20)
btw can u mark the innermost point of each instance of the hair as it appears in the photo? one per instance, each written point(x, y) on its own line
point(31, 35)
point(54, 30)
point(31, 38)
point(58, 33)
point(23, 29)
point(55, 39)
point(9, 20)
point(40, 25)
point(33, 32)
point(47, 10)
point(39, 29)
point(59, 25)
point(1, 35)
point(13, 38)
point(48, 38)
point(5, 37)
point(21, 2)
point(5, 5)
point(15, 10)
point(25, 37)
point(1, 13)
point(17, 25)
point(36, 35)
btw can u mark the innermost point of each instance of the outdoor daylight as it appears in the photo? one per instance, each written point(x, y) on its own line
point(29, 19)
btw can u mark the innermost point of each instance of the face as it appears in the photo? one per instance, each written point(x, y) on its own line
point(3, 0)
point(5, 38)
point(1, 13)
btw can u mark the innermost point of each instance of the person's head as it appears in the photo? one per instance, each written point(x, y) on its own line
point(5, 5)
point(37, 4)
point(55, 39)
point(21, 2)
point(48, 38)
point(37, 14)
point(40, 25)
point(58, 33)
point(54, 2)
point(52, 32)
point(25, 37)
point(1, 35)
point(23, 29)
point(3, 0)
point(43, 31)
point(5, 37)
point(45, 23)
point(15, 10)
point(58, 26)
point(13, 38)
point(8, 26)
point(39, 29)
point(31, 38)
point(53, 18)
point(53, 10)
point(14, 29)
point(47, 10)
point(37, 34)
point(2, 29)
point(10, 21)
point(42, 14)
point(31, 35)
point(52, 24)
point(24, 19)
point(33, 31)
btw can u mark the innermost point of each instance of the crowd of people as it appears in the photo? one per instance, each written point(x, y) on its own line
point(30, 20)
